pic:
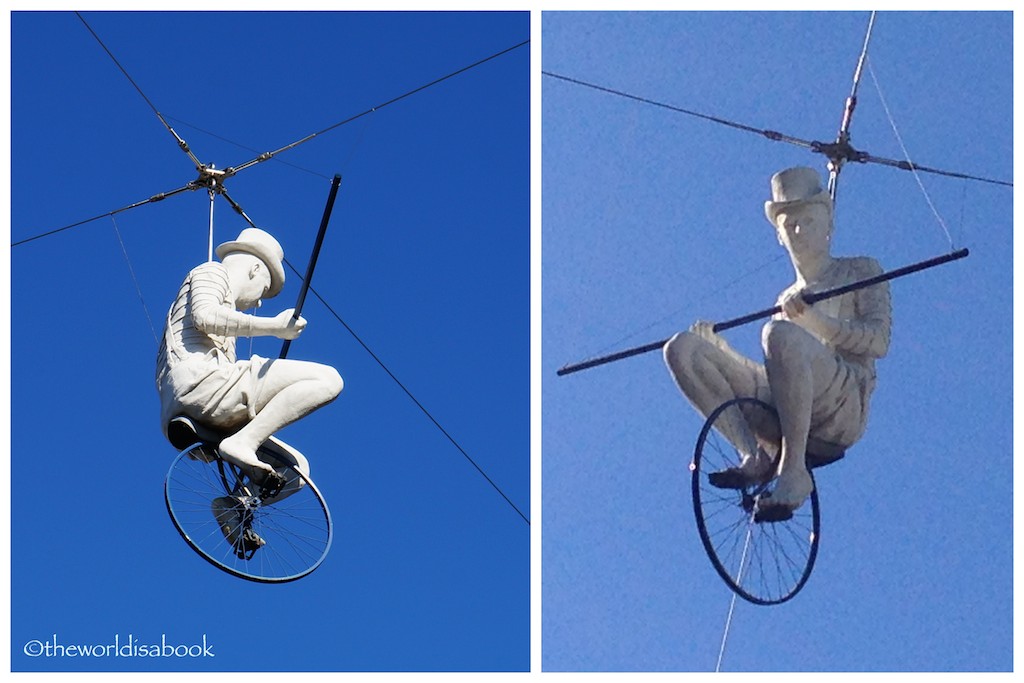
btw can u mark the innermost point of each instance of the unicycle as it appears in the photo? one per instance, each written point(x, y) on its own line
point(269, 529)
point(766, 563)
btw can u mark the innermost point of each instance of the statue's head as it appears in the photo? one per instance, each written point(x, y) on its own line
point(263, 246)
point(798, 200)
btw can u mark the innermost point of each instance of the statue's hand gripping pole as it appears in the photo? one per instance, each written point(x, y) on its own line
point(768, 312)
point(312, 259)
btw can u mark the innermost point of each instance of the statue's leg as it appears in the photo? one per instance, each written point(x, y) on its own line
point(709, 376)
point(288, 390)
point(801, 371)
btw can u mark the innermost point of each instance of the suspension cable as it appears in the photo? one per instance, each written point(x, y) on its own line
point(411, 396)
point(181, 143)
point(155, 198)
point(247, 148)
point(906, 156)
point(269, 155)
point(829, 149)
point(770, 134)
point(230, 171)
point(131, 271)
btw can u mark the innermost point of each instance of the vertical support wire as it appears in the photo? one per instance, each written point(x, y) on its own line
point(209, 251)
point(732, 603)
point(843, 138)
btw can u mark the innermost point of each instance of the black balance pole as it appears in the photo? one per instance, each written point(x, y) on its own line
point(312, 259)
point(768, 312)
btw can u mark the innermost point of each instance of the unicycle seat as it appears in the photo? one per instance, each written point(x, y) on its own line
point(183, 432)
point(821, 453)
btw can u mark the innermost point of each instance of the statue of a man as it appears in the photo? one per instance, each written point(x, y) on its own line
point(819, 360)
point(199, 375)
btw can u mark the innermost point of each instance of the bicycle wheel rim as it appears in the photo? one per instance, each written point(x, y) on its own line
point(764, 563)
point(297, 530)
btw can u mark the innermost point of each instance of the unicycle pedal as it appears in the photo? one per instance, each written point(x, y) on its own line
point(273, 483)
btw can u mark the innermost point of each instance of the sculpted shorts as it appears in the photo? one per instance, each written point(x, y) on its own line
point(222, 395)
point(839, 415)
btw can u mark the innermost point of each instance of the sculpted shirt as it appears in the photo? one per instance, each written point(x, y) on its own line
point(197, 371)
point(865, 315)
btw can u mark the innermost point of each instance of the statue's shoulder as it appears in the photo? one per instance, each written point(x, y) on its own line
point(210, 269)
point(860, 266)
point(209, 278)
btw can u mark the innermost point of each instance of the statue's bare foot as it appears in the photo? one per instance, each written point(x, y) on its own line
point(792, 490)
point(755, 469)
point(237, 453)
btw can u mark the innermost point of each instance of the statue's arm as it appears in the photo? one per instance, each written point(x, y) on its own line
point(207, 293)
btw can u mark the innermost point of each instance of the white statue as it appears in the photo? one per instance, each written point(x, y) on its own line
point(819, 360)
point(199, 375)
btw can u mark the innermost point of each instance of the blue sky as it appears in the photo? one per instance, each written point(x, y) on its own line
point(652, 219)
point(426, 260)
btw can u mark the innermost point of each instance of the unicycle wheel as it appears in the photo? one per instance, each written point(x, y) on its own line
point(765, 563)
point(258, 531)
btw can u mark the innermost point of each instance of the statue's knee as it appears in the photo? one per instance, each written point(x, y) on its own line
point(332, 381)
point(782, 339)
point(778, 336)
point(679, 350)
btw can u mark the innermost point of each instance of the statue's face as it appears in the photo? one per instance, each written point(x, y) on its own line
point(254, 287)
point(805, 228)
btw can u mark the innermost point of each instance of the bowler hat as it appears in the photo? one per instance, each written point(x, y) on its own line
point(262, 245)
point(793, 186)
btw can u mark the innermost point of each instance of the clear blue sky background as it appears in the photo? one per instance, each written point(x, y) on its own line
point(426, 259)
point(653, 219)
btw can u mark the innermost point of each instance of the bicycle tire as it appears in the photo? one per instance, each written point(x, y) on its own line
point(766, 563)
point(296, 527)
